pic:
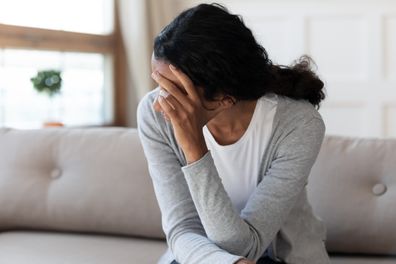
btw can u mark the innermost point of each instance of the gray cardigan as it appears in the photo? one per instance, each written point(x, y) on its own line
point(198, 218)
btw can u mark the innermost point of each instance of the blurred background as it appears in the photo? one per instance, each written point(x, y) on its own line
point(82, 63)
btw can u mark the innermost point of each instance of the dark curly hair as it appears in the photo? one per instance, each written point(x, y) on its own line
point(218, 52)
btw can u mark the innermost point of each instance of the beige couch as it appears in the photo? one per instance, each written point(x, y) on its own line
point(84, 196)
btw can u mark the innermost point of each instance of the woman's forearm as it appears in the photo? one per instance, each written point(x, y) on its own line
point(250, 233)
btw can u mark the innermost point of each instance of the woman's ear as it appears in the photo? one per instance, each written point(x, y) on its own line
point(219, 104)
point(227, 101)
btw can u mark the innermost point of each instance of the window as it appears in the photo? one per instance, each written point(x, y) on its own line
point(75, 37)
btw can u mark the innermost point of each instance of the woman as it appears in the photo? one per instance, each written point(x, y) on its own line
point(230, 139)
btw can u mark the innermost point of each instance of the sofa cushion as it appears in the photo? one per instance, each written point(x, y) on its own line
point(61, 248)
point(91, 179)
point(352, 187)
point(362, 260)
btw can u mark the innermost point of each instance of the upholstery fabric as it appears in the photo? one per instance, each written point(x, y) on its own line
point(93, 180)
point(352, 187)
point(96, 181)
point(62, 248)
point(363, 260)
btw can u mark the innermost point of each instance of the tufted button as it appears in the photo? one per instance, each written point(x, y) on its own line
point(56, 173)
point(379, 189)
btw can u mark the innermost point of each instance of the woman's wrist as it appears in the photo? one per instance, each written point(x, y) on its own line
point(196, 154)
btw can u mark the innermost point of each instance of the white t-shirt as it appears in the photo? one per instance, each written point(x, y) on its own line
point(238, 164)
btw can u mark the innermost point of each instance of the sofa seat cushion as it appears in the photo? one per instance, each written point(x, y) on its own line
point(362, 260)
point(21, 247)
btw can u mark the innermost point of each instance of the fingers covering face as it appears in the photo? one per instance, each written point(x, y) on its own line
point(170, 87)
point(186, 82)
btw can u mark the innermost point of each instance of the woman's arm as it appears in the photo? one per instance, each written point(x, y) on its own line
point(185, 234)
point(267, 208)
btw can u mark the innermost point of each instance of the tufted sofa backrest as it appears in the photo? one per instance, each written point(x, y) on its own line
point(352, 187)
point(89, 180)
point(96, 180)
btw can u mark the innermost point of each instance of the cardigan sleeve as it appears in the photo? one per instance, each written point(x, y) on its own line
point(185, 235)
point(251, 232)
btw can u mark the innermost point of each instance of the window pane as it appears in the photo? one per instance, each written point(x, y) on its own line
point(81, 101)
point(87, 16)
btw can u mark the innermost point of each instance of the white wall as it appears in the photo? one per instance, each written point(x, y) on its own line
point(354, 45)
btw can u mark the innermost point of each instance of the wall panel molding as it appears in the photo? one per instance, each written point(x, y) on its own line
point(354, 45)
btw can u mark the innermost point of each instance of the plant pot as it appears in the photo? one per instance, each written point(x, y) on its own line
point(54, 112)
point(53, 124)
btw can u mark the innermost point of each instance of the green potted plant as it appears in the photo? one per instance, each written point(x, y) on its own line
point(48, 82)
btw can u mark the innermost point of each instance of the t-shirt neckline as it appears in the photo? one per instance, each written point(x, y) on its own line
point(245, 134)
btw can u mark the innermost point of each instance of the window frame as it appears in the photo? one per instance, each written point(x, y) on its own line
point(47, 39)
point(110, 45)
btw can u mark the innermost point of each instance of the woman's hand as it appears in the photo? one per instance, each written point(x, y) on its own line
point(185, 112)
point(245, 261)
